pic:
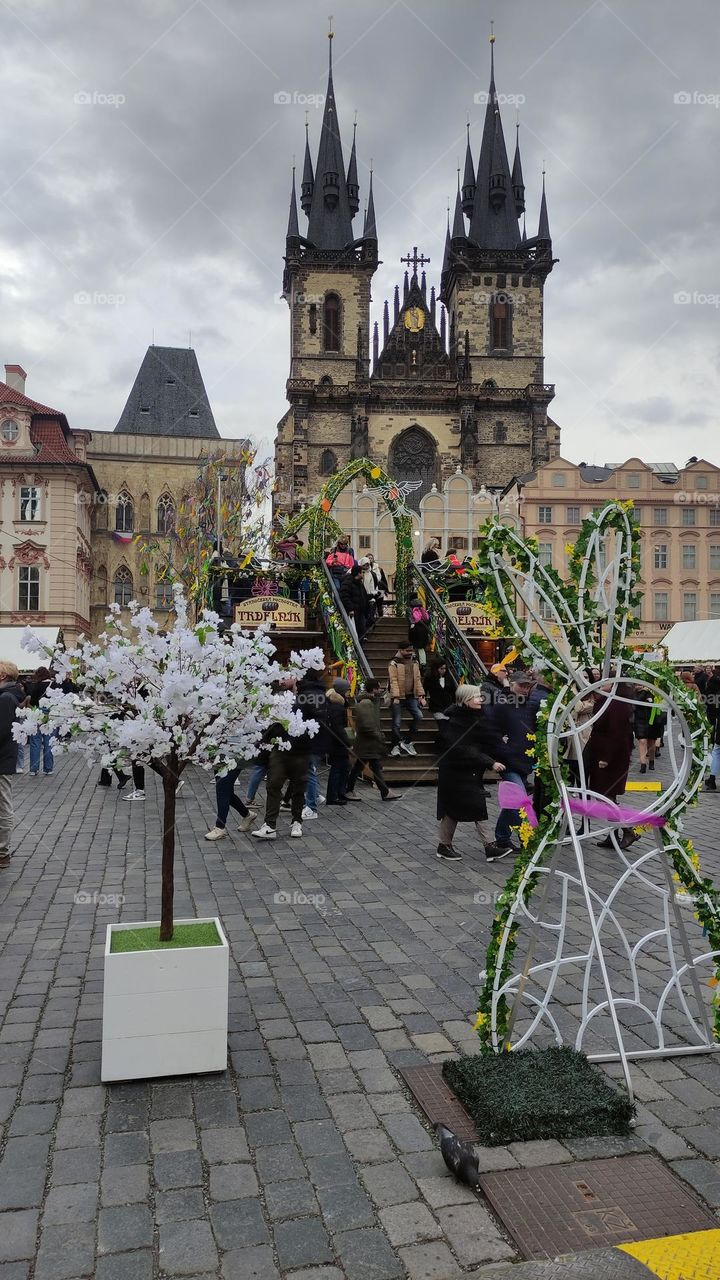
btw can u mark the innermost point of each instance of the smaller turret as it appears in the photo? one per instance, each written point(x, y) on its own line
point(308, 181)
point(353, 188)
point(468, 187)
point(518, 184)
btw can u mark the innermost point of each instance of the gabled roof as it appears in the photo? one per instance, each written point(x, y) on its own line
point(49, 440)
point(8, 395)
point(426, 341)
point(168, 397)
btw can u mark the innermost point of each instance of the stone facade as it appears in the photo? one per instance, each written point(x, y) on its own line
point(678, 512)
point(47, 489)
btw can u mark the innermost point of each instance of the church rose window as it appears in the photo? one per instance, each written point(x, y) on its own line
point(331, 322)
point(413, 456)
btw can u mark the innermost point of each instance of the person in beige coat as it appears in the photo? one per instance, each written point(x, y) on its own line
point(406, 690)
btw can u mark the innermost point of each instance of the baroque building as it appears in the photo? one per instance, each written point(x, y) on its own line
point(449, 378)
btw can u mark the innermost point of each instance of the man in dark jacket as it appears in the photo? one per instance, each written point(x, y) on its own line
point(355, 599)
point(514, 717)
point(369, 745)
point(292, 764)
point(338, 753)
point(712, 708)
point(11, 695)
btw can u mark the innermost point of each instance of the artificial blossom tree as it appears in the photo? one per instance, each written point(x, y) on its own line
point(166, 699)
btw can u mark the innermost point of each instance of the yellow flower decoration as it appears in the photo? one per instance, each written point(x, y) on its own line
point(480, 1021)
point(375, 473)
point(531, 737)
point(569, 548)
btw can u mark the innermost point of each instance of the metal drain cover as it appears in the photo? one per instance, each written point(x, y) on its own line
point(568, 1208)
point(438, 1100)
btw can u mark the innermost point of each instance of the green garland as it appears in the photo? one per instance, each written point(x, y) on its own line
point(580, 615)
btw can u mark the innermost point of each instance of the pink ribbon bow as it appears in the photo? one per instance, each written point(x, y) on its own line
point(511, 795)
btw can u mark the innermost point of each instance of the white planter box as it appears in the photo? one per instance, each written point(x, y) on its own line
point(165, 1012)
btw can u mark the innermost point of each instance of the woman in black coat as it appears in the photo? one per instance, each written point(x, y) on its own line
point(440, 688)
point(468, 746)
point(355, 599)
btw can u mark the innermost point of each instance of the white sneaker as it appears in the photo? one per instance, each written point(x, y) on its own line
point(265, 832)
point(308, 814)
point(249, 804)
point(408, 748)
point(246, 823)
point(216, 833)
point(396, 750)
point(296, 830)
point(134, 795)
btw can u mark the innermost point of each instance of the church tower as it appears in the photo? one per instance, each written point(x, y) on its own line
point(326, 283)
point(492, 283)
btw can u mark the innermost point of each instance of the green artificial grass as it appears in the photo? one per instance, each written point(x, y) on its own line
point(545, 1093)
point(148, 939)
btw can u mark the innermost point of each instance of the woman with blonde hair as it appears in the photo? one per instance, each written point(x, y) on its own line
point(467, 746)
point(431, 554)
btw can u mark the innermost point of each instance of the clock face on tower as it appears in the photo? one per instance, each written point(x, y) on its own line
point(414, 319)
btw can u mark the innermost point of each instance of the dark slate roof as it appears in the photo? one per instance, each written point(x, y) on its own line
point(493, 228)
point(167, 394)
point(593, 475)
point(330, 225)
point(433, 361)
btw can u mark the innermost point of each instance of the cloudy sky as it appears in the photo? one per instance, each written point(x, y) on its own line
point(146, 173)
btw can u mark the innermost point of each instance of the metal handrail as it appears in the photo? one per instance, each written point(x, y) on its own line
point(332, 588)
point(472, 660)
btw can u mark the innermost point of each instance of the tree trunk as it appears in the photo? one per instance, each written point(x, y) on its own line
point(170, 783)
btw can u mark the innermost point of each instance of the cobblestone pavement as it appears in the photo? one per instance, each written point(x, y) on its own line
point(307, 1158)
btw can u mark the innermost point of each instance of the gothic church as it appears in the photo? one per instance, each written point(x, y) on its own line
point(452, 381)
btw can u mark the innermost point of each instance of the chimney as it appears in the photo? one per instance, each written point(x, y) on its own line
point(15, 377)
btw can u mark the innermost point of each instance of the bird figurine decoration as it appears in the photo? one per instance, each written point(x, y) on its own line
point(459, 1156)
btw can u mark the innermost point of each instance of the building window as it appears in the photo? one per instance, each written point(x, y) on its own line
point(701, 482)
point(166, 514)
point(365, 541)
point(661, 606)
point(29, 502)
point(29, 589)
point(124, 514)
point(331, 322)
point(163, 594)
point(660, 517)
point(572, 515)
point(546, 612)
point(637, 612)
point(123, 587)
point(715, 517)
point(500, 433)
point(9, 430)
point(715, 604)
point(458, 544)
point(544, 515)
point(689, 517)
point(545, 554)
point(660, 555)
point(633, 479)
point(328, 462)
point(500, 324)
point(690, 606)
point(714, 555)
point(313, 318)
point(558, 480)
point(689, 556)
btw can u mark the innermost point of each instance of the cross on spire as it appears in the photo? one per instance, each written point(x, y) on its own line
point(415, 261)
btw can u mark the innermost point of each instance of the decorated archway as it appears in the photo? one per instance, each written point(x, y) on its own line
point(323, 530)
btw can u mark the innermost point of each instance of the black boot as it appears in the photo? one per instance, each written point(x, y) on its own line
point(643, 768)
point(652, 766)
point(711, 783)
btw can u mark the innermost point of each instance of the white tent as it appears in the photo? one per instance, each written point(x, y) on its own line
point(12, 651)
point(691, 642)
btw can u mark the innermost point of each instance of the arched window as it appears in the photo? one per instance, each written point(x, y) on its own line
point(413, 456)
point(331, 322)
point(326, 380)
point(500, 433)
point(124, 513)
point(166, 514)
point(500, 322)
point(328, 462)
point(122, 586)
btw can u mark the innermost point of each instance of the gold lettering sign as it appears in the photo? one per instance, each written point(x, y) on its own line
point(282, 614)
point(470, 615)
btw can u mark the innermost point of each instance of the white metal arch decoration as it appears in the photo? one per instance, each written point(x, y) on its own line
point(576, 633)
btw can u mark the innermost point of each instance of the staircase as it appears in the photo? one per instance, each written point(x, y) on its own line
point(380, 645)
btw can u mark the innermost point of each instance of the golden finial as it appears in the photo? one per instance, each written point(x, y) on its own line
point(331, 33)
point(492, 30)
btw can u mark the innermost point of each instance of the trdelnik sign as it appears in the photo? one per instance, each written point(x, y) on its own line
point(470, 615)
point(283, 614)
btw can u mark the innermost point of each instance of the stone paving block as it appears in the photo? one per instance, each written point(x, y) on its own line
point(126, 1184)
point(168, 1102)
point(302, 1243)
point(250, 1264)
point(290, 1199)
point(172, 1135)
point(124, 1227)
point(34, 1117)
point(441, 1192)
point(668, 1144)
point(345, 1206)
point(328, 1171)
point(216, 1109)
point(179, 1206)
point(137, 1265)
point(177, 1169)
point(318, 1137)
point(492, 1158)
point(328, 1057)
point(77, 1131)
point(279, 1164)
point(76, 1203)
point(380, 1018)
point(473, 1235)
point(238, 1223)
point(126, 1148)
point(368, 1145)
point(531, 1154)
point(350, 1112)
point(409, 1223)
point(693, 1094)
point(703, 1176)
point(186, 1247)
point(432, 1261)
point(66, 1251)
point(267, 1129)
point(224, 1146)
point(17, 1234)
point(388, 1184)
point(303, 1103)
point(337, 1081)
point(599, 1148)
point(232, 1182)
point(258, 1094)
point(407, 1132)
point(705, 1139)
point(366, 1255)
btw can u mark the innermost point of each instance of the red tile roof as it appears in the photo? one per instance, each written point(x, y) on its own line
point(47, 436)
point(8, 395)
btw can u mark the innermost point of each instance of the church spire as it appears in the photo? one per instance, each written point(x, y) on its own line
point(468, 187)
point(353, 188)
point(293, 230)
point(306, 190)
point(370, 230)
point(330, 217)
point(544, 224)
point(518, 184)
point(458, 227)
point(493, 224)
